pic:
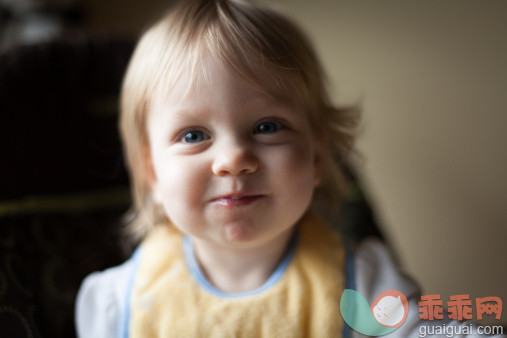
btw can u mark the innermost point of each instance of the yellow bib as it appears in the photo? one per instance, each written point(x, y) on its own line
point(302, 301)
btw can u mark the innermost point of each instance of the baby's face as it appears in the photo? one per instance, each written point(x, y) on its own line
point(232, 166)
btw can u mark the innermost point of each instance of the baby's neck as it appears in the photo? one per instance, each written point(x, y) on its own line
point(238, 270)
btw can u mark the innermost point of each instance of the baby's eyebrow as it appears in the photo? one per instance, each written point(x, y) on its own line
point(265, 98)
point(188, 112)
point(265, 101)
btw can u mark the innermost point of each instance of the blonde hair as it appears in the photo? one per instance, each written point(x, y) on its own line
point(244, 36)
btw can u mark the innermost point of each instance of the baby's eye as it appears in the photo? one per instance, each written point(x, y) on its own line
point(267, 127)
point(194, 136)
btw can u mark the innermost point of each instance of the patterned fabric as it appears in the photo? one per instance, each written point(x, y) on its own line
point(63, 187)
point(43, 259)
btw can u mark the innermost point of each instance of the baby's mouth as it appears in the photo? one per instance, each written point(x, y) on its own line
point(235, 200)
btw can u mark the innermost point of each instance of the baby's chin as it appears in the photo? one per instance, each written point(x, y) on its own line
point(245, 235)
point(239, 232)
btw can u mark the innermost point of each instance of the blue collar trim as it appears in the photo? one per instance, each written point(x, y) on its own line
point(195, 270)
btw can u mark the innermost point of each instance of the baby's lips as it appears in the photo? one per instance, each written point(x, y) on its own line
point(231, 201)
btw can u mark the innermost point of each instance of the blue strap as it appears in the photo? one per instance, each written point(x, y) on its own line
point(350, 270)
point(124, 327)
point(350, 282)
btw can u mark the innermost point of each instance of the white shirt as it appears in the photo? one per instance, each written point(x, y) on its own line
point(102, 302)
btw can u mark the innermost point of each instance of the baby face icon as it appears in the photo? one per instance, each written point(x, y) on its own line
point(390, 308)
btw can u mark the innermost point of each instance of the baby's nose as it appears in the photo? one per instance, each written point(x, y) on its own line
point(235, 159)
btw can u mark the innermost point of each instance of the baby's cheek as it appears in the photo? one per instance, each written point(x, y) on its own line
point(180, 186)
point(295, 171)
point(188, 182)
point(299, 165)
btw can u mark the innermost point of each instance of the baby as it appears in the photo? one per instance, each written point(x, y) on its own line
point(230, 139)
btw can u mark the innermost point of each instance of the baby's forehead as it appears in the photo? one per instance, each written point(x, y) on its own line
point(214, 81)
point(199, 103)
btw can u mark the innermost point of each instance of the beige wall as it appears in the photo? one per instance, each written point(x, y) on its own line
point(432, 76)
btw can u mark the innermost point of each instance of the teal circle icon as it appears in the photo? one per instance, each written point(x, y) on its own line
point(390, 307)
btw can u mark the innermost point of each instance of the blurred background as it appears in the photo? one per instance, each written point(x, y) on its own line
point(431, 77)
